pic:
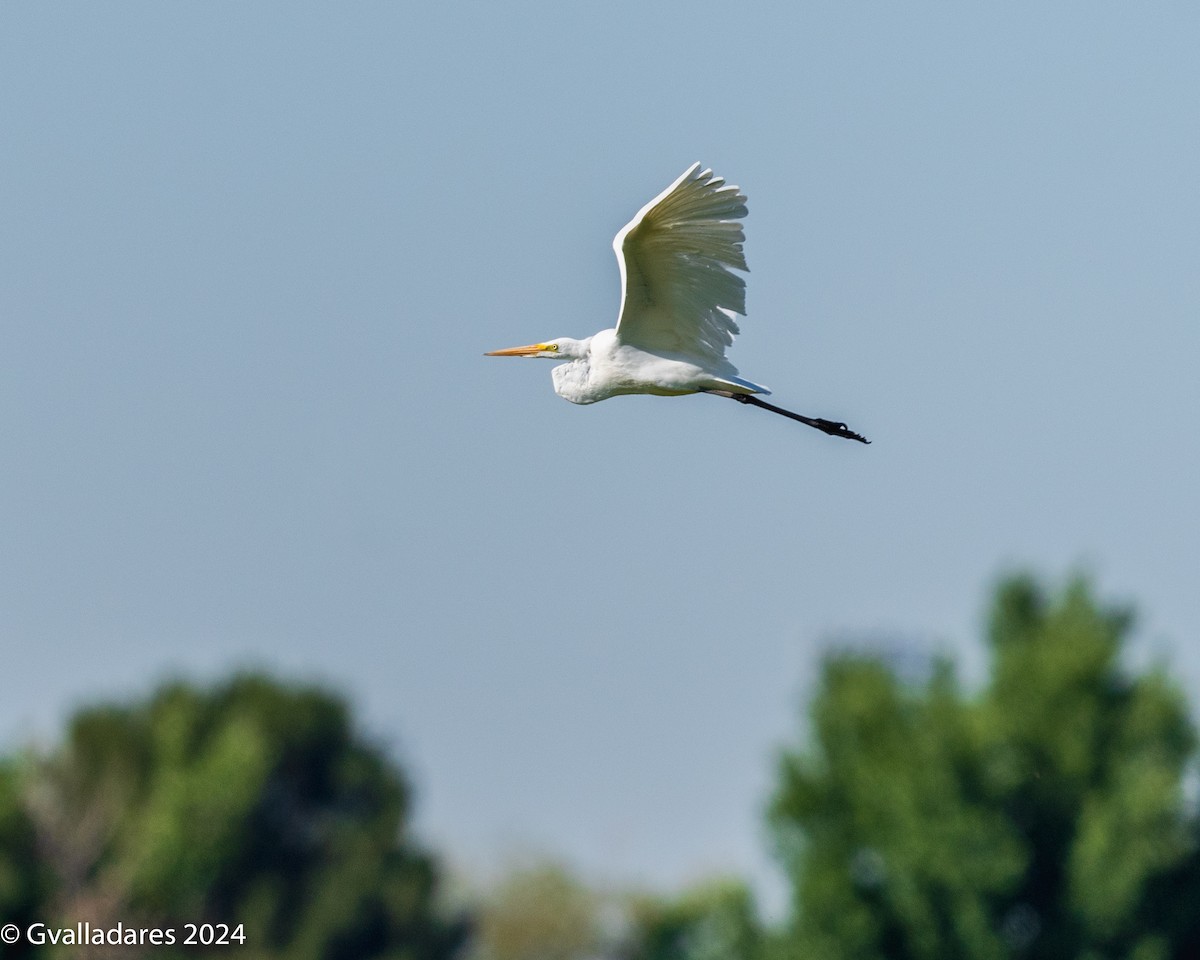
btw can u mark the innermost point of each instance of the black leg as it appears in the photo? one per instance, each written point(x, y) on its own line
point(831, 427)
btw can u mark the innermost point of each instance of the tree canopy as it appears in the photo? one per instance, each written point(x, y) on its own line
point(544, 912)
point(1047, 813)
point(1043, 817)
point(248, 803)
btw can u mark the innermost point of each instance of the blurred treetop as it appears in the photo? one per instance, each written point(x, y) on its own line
point(249, 803)
point(1045, 817)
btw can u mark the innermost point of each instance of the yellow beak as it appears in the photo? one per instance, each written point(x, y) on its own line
point(530, 351)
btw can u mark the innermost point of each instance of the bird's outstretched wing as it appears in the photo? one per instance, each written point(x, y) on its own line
point(677, 292)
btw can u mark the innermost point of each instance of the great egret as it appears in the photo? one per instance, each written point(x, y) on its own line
point(678, 301)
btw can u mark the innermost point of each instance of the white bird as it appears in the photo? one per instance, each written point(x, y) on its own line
point(679, 298)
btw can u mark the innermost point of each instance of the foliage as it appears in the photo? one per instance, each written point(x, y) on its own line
point(714, 921)
point(23, 881)
point(1043, 818)
point(541, 912)
point(249, 803)
point(1045, 815)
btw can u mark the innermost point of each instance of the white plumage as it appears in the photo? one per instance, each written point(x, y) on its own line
point(677, 291)
point(679, 300)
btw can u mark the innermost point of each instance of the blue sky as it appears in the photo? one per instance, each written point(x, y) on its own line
point(251, 257)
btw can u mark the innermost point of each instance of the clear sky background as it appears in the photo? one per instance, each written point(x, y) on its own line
point(251, 256)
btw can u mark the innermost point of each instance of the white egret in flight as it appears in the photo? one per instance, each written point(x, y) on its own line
point(678, 301)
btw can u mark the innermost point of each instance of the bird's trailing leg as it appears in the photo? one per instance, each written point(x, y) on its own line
point(831, 427)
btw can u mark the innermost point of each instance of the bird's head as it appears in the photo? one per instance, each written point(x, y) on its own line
point(564, 348)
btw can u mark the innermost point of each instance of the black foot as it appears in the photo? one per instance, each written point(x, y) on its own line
point(838, 430)
point(831, 427)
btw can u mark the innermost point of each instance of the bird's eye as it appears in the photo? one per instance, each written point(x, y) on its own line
point(550, 347)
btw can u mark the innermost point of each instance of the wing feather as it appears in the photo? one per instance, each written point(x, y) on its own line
point(678, 294)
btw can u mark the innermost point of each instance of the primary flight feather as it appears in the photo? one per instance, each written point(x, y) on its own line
point(679, 299)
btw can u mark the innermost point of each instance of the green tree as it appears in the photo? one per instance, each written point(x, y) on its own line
point(24, 882)
point(540, 912)
point(716, 920)
point(544, 912)
point(1043, 817)
point(248, 803)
